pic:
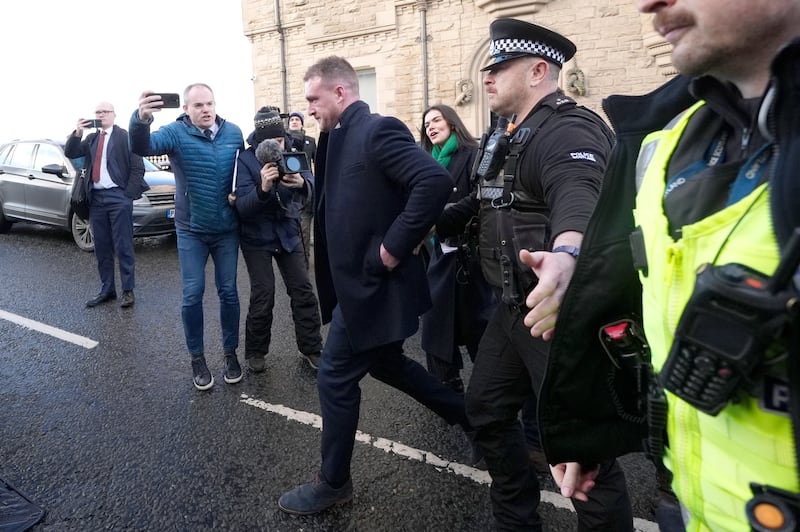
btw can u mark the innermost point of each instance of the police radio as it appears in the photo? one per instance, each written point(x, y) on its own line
point(731, 319)
point(495, 150)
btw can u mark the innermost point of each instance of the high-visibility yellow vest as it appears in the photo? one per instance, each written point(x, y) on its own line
point(713, 459)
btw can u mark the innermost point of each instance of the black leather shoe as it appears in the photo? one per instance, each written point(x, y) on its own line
point(314, 497)
point(127, 299)
point(101, 298)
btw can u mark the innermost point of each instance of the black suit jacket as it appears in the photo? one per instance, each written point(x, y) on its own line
point(375, 186)
point(125, 167)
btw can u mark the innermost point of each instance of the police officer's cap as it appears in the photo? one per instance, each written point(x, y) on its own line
point(512, 38)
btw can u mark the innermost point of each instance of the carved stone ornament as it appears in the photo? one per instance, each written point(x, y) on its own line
point(464, 88)
point(575, 81)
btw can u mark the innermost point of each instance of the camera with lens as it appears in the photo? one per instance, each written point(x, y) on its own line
point(728, 326)
point(293, 162)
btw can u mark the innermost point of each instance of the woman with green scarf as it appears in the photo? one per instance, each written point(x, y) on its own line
point(462, 300)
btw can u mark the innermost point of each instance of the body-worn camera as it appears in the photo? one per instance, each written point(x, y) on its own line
point(495, 150)
point(732, 318)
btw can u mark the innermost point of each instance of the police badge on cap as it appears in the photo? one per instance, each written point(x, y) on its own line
point(513, 38)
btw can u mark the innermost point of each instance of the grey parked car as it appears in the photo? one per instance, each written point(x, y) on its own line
point(36, 181)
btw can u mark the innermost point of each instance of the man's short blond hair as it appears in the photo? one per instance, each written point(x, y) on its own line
point(334, 70)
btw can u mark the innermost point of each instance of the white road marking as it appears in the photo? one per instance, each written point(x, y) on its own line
point(61, 334)
point(389, 446)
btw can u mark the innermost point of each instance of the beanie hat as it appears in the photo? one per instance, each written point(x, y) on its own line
point(299, 115)
point(269, 124)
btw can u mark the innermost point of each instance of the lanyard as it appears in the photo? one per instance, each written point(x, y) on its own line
point(714, 156)
point(747, 179)
point(750, 173)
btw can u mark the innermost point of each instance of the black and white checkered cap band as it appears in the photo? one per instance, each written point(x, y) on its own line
point(507, 46)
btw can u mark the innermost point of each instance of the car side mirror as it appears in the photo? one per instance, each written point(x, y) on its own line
point(55, 169)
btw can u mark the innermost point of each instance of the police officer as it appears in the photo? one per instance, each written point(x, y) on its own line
point(538, 183)
point(715, 183)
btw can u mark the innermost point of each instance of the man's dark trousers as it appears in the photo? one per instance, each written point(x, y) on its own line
point(509, 367)
point(305, 311)
point(111, 218)
point(340, 371)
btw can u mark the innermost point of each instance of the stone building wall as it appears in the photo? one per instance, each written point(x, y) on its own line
point(618, 52)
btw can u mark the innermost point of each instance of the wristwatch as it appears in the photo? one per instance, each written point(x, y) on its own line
point(572, 250)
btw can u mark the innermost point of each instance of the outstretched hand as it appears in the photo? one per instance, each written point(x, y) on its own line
point(554, 271)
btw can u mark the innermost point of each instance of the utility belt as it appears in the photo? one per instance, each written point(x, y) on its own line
point(515, 231)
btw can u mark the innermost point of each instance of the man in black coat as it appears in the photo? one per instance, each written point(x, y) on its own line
point(116, 177)
point(377, 195)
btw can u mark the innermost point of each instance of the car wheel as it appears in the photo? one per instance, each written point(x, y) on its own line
point(5, 225)
point(81, 233)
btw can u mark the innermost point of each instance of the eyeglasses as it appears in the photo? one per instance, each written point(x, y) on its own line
point(102, 112)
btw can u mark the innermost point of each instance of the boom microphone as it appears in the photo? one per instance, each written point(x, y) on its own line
point(268, 151)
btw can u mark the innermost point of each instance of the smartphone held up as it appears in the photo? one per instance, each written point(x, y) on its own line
point(172, 100)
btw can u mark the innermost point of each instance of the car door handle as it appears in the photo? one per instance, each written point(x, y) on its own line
point(31, 177)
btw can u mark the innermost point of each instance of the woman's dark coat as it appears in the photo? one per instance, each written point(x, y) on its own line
point(462, 300)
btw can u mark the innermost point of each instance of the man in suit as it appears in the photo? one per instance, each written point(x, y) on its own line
point(116, 177)
point(378, 193)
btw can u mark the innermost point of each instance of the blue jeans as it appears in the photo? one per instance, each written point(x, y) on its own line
point(193, 251)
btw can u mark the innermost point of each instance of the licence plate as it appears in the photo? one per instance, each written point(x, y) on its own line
point(170, 214)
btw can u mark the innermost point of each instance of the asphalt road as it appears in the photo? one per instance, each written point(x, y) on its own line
point(115, 437)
